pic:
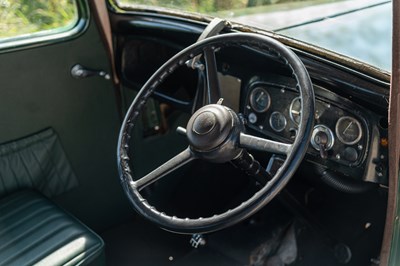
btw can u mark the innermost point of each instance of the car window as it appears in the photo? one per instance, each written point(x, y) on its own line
point(360, 29)
point(30, 18)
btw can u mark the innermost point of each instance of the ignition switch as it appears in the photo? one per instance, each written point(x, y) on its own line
point(322, 140)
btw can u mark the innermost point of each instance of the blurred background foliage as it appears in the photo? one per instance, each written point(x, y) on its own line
point(208, 6)
point(19, 17)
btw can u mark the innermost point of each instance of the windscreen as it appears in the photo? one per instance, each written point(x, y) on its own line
point(360, 29)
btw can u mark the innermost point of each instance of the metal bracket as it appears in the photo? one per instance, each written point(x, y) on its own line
point(212, 29)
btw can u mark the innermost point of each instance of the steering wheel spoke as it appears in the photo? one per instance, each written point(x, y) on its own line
point(176, 162)
point(260, 144)
point(213, 93)
point(208, 83)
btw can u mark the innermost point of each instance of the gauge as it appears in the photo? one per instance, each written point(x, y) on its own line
point(277, 121)
point(348, 130)
point(260, 100)
point(295, 110)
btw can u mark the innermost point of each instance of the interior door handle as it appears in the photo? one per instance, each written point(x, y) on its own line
point(79, 72)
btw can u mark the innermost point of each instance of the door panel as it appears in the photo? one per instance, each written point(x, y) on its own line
point(37, 91)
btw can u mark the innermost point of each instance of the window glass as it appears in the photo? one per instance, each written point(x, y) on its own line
point(27, 18)
point(360, 29)
point(200, 6)
point(232, 8)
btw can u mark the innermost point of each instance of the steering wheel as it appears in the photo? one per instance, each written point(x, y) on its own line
point(217, 134)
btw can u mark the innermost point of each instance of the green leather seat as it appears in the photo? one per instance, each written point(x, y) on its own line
point(34, 231)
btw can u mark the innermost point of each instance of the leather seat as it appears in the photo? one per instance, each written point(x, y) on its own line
point(34, 231)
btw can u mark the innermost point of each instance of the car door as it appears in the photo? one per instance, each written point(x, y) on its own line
point(38, 92)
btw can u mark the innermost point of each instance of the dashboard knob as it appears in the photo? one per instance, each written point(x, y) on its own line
point(321, 139)
point(350, 154)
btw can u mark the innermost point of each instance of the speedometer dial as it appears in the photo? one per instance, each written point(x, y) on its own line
point(260, 100)
point(348, 130)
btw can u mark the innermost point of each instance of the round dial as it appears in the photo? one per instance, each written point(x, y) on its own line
point(260, 100)
point(348, 130)
point(277, 121)
point(295, 110)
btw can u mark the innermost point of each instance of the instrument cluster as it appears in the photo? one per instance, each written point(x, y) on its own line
point(340, 134)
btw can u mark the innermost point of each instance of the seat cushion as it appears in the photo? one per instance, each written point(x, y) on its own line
point(36, 162)
point(34, 231)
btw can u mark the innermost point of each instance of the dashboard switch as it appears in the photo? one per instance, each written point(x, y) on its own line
point(322, 140)
point(252, 118)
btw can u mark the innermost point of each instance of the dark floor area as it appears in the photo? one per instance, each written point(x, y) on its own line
point(141, 243)
point(336, 229)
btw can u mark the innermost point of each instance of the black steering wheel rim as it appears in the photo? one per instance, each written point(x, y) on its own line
point(265, 194)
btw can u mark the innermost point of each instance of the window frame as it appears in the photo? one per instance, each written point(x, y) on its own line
point(46, 37)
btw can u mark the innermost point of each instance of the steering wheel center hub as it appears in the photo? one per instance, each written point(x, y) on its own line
point(204, 123)
point(209, 127)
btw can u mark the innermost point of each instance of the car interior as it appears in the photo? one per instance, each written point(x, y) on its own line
point(192, 141)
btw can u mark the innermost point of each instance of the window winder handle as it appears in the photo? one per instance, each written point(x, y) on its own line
point(79, 72)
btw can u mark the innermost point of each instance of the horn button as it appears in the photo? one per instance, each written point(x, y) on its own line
point(204, 123)
point(209, 127)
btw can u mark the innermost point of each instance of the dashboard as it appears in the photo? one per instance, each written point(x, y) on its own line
point(339, 135)
point(350, 126)
point(346, 138)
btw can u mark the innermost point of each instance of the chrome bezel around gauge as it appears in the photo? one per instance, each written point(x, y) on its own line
point(329, 133)
point(339, 134)
point(290, 110)
point(273, 126)
point(253, 100)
